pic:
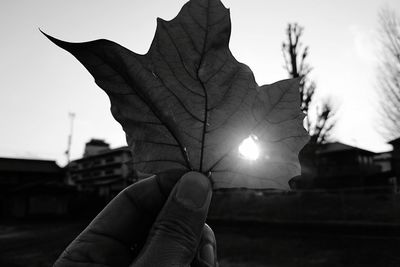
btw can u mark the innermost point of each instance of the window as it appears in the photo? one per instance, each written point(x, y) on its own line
point(109, 171)
point(110, 159)
point(96, 173)
point(97, 162)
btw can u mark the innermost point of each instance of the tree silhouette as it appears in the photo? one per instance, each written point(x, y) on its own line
point(320, 124)
point(295, 63)
point(389, 71)
point(320, 130)
point(320, 116)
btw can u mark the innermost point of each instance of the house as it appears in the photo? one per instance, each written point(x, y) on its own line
point(337, 165)
point(396, 156)
point(384, 160)
point(15, 172)
point(341, 165)
point(102, 170)
point(30, 187)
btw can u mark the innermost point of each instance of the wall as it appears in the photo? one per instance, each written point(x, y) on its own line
point(379, 205)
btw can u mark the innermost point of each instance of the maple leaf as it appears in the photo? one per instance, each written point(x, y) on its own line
point(188, 103)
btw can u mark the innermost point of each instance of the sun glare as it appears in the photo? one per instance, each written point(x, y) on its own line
point(249, 148)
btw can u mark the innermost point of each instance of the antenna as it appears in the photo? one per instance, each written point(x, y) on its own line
point(71, 116)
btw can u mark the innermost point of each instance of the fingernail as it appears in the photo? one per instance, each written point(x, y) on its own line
point(207, 254)
point(192, 190)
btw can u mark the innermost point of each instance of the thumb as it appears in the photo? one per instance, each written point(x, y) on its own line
point(176, 233)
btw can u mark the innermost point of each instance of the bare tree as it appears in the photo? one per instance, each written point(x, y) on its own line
point(320, 123)
point(324, 122)
point(295, 63)
point(389, 71)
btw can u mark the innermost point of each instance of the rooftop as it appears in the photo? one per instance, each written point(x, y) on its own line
point(395, 141)
point(104, 152)
point(340, 147)
point(29, 165)
point(97, 142)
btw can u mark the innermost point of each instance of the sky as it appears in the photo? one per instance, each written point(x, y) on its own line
point(41, 83)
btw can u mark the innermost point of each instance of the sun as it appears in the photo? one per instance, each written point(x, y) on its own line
point(249, 148)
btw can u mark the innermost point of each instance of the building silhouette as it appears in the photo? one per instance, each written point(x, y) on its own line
point(337, 165)
point(31, 187)
point(94, 147)
point(396, 156)
point(102, 170)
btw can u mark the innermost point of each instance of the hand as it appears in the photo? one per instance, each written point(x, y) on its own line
point(159, 221)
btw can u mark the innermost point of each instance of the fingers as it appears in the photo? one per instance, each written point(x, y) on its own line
point(206, 255)
point(176, 233)
point(124, 223)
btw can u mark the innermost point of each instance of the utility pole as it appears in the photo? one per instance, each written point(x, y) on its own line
point(71, 121)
